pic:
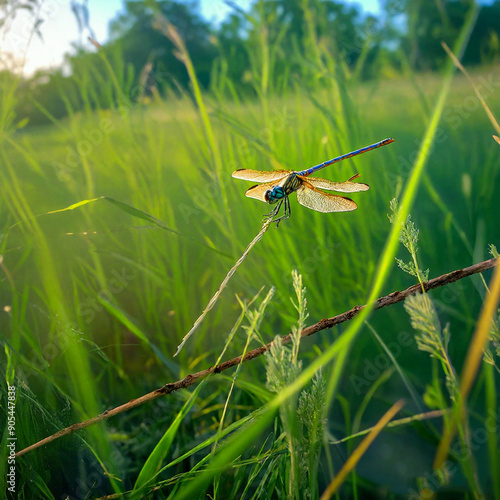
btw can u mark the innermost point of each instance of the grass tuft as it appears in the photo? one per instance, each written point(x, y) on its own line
point(409, 238)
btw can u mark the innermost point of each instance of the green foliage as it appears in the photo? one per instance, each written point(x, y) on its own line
point(431, 337)
point(409, 238)
point(283, 364)
point(294, 39)
point(494, 338)
point(493, 352)
point(310, 413)
point(303, 422)
point(96, 299)
point(430, 22)
point(494, 252)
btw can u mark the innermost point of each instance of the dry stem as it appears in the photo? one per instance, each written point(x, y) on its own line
point(324, 324)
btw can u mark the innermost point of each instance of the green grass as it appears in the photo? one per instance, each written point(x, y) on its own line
point(96, 315)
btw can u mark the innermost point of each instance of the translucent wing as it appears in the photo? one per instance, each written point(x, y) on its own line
point(313, 198)
point(259, 191)
point(258, 176)
point(342, 187)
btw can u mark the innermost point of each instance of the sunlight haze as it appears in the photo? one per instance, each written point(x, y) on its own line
point(59, 30)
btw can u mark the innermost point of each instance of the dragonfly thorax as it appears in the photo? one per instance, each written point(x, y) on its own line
point(277, 193)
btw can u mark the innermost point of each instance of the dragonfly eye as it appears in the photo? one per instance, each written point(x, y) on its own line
point(270, 197)
point(274, 195)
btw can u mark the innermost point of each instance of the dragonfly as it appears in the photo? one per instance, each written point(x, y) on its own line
point(278, 185)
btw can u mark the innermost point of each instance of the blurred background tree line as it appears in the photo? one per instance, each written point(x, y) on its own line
point(404, 37)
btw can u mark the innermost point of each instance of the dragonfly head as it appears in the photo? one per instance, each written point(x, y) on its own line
point(274, 195)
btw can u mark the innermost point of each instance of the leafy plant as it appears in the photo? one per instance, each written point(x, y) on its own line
point(409, 238)
point(434, 339)
point(303, 423)
point(494, 337)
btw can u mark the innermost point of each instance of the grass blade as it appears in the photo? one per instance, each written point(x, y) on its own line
point(471, 364)
point(360, 450)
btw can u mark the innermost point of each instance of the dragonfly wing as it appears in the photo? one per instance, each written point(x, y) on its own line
point(259, 191)
point(342, 187)
point(313, 198)
point(260, 176)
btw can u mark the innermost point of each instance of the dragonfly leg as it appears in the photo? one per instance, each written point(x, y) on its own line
point(287, 213)
point(274, 211)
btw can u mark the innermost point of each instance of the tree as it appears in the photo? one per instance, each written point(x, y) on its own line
point(484, 43)
point(141, 43)
point(428, 22)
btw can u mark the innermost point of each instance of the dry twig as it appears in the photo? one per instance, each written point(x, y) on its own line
point(324, 324)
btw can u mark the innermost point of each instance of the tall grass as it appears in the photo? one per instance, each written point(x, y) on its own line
point(99, 299)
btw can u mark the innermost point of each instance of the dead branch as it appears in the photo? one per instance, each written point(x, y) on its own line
point(324, 324)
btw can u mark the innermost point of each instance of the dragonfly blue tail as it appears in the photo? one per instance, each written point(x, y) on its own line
point(311, 170)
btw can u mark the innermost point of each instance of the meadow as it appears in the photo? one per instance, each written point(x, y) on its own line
point(96, 298)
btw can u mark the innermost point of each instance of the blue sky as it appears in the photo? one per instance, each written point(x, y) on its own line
point(59, 29)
